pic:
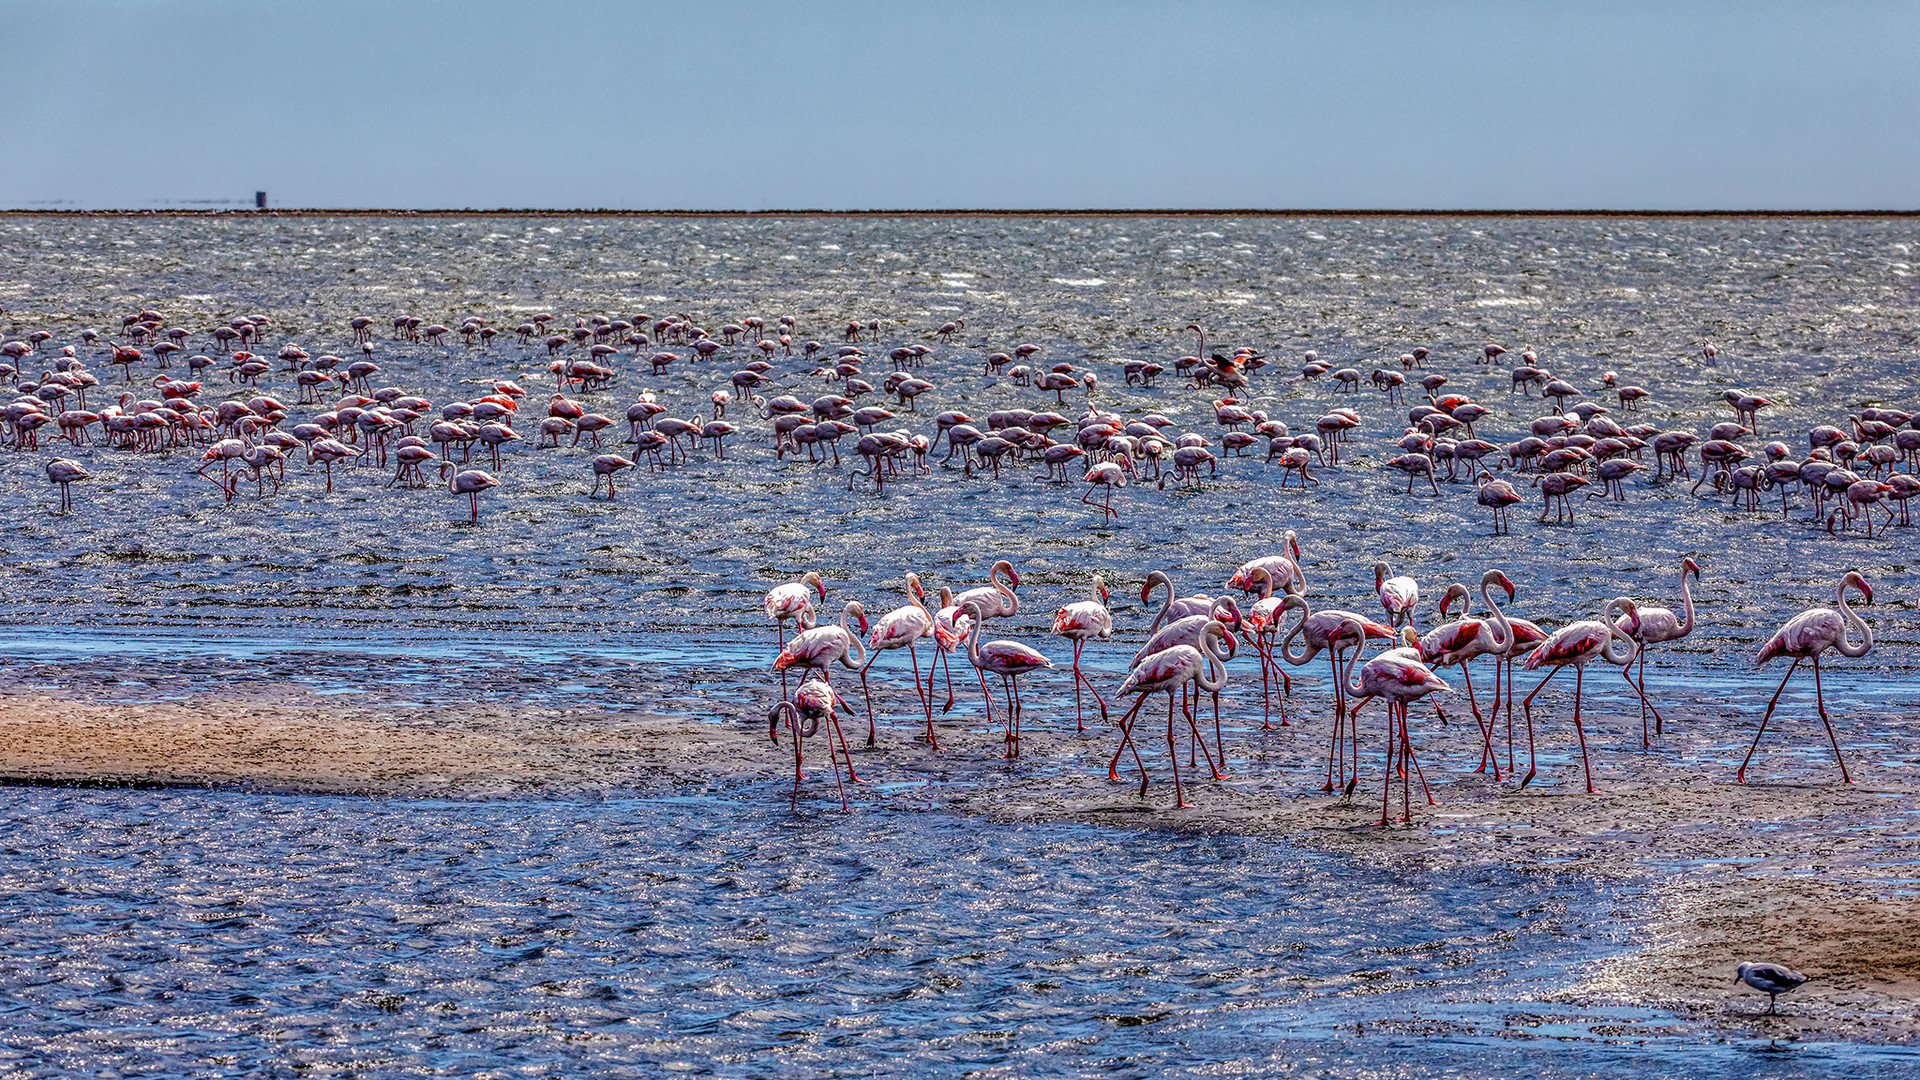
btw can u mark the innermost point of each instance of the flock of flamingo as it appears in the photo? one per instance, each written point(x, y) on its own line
point(1847, 474)
point(1192, 640)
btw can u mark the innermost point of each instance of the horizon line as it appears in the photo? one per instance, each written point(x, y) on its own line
point(1037, 212)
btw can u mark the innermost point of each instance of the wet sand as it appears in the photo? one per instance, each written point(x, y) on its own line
point(1804, 870)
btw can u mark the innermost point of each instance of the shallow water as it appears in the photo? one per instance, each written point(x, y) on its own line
point(156, 589)
point(701, 934)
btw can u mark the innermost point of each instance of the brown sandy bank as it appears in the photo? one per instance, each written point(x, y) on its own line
point(1813, 874)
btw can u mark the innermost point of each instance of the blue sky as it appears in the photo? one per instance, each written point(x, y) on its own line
point(752, 104)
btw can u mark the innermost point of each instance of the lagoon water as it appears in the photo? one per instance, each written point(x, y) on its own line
point(715, 930)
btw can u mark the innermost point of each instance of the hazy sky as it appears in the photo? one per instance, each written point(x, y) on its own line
point(747, 104)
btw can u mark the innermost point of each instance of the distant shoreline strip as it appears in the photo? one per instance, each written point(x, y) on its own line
point(1035, 213)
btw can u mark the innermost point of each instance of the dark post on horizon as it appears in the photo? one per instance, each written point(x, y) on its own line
point(259, 200)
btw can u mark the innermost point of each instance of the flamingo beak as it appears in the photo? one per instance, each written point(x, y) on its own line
point(1013, 577)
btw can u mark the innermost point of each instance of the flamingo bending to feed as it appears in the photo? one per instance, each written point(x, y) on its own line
point(1398, 676)
point(902, 628)
point(1651, 626)
point(1007, 659)
point(819, 647)
point(1398, 595)
point(1574, 645)
point(1284, 572)
point(1805, 637)
point(1080, 623)
point(814, 701)
point(1463, 639)
point(1169, 670)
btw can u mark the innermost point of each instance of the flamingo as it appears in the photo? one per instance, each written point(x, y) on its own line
point(1497, 496)
point(1184, 619)
point(1460, 641)
point(950, 628)
point(1398, 676)
point(66, 472)
point(1108, 475)
point(1652, 626)
point(1398, 595)
point(1007, 659)
point(604, 466)
point(471, 482)
point(1262, 620)
point(1168, 670)
point(784, 603)
point(1575, 644)
point(902, 628)
point(1325, 630)
point(814, 701)
point(995, 600)
point(1805, 637)
point(1079, 623)
point(1284, 571)
point(819, 647)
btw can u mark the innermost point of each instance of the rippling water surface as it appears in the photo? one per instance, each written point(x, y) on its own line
point(701, 934)
point(153, 928)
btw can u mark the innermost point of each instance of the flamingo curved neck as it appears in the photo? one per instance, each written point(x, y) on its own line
point(1686, 604)
point(1629, 647)
point(1859, 624)
point(1213, 652)
point(1158, 578)
point(1503, 630)
point(1010, 600)
point(1286, 652)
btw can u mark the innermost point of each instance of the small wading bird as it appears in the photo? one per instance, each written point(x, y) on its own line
point(1805, 637)
point(1080, 623)
point(1771, 980)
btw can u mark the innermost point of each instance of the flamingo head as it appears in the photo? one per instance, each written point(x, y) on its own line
point(1455, 591)
point(1854, 579)
point(1500, 578)
point(913, 582)
point(812, 578)
point(1687, 564)
point(1153, 579)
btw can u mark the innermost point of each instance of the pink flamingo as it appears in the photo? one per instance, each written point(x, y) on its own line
point(818, 648)
point(1398, 595)
point(471, 482)
point(1007, 659)
point(1108, 475)
point(327, 451)
point(1180, 622)
point(1651, 626)
point(1164, 672)
point(813, 702)
point(1574, 645)
point(1398, 676)
point(1805, 637)
point(1258, 628)
point(784, 603)
point(66, 472)
point(1080, 623)
point(1326, 630)
point(1284, 571)
point(902, 628)
point(950, 629)
point(1460, 641)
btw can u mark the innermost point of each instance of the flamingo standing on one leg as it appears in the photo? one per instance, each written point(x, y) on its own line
point(1651, 626)
point(1398, 676)
point(1165, 672)
point(902, 628)
point(1574, 645)
point(1007, 659)
point(1805, 637)
point(1080, 623)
